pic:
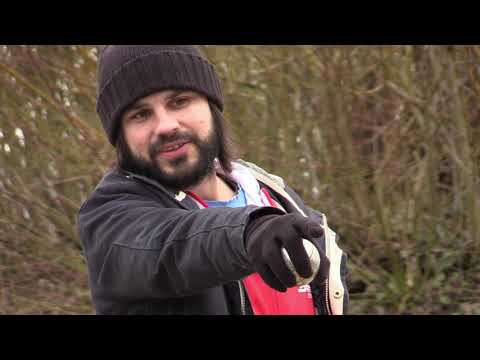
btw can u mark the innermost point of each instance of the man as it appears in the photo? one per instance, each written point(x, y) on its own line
point(179, 227)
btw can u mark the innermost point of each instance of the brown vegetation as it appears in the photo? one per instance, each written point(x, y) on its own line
point(380, 138)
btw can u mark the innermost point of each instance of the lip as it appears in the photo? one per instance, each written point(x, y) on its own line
point(182, 150)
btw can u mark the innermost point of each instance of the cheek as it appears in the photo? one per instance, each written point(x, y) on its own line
point(202, 129)
point(204, 125)
point(199, 119)
point(138, 141)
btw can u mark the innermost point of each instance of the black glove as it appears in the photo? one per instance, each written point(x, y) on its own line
point(267, 233)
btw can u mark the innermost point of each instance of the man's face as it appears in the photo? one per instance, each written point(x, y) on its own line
point(171, 137)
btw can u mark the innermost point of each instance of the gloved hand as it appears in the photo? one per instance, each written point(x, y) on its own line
point(267, 233)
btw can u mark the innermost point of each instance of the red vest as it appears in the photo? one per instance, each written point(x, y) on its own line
point(296, 300)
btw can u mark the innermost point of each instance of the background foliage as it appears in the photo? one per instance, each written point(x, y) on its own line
point(380, 138)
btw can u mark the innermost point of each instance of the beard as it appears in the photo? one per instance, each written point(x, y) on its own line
point(185, 170)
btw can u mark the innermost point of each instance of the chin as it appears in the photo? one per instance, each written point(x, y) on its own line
point(182, 164)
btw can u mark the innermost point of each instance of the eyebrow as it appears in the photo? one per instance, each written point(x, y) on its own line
point(140, 104)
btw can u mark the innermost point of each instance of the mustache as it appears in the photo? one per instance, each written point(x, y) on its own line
point(162, 140)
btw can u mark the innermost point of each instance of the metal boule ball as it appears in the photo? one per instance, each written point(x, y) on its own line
point(314, 257)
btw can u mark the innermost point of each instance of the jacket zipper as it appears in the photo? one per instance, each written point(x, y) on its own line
point(202, 204)
point(327, 299)
point(242, 298)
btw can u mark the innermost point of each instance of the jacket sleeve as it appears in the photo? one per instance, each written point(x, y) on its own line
point(138, 250)
point(318, 216)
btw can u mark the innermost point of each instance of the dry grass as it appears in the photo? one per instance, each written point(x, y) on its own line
point(381, 139)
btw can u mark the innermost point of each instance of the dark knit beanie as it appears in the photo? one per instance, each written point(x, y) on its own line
point(127, 73)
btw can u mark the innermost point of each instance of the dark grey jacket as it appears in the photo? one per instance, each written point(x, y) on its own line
point(151, 251)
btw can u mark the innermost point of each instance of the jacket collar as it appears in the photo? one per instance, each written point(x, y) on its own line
point(249, 169)
point(178, 196)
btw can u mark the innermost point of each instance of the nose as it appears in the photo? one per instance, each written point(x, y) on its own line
point(166, 122)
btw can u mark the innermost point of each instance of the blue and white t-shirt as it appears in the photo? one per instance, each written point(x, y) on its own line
point(238, 200)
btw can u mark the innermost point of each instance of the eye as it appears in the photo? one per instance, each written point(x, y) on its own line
point(180, 102)
point(141, 115)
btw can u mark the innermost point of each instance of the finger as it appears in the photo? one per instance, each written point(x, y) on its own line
point(280, 269)
point(308, 228)
point(270, 279)
point(299, 257)
point(291, 239)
